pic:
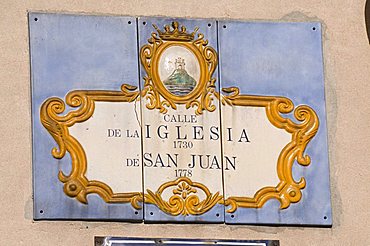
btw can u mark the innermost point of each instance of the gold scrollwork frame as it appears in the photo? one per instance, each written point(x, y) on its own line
point(154, 90)
point(288, 190)
point(76, 183)
point(182, 202)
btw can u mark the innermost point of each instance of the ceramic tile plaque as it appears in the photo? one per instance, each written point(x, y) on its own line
point(274, 123)
point(181, 121)
point(178, 120)
point(86, 154)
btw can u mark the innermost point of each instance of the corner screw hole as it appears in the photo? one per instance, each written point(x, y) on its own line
point(325, 218)
point(136, 212)
point(144, 23)
point(151, 213)
point(224, 26)
point(41, 211)
point(218, 215)
point(129, 22)
point(36, 19)
point(314, 28)
point(87, 227)
point(209, 24)
point(232, 216)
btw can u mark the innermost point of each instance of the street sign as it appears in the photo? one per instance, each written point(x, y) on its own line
point(178, 120)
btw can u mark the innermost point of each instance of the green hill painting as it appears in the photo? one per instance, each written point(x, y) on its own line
point(180, 83)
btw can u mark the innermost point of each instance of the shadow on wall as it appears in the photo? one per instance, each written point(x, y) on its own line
point(367, 18)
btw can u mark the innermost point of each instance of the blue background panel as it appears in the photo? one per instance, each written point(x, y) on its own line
point(282, 59)
point(70, 52)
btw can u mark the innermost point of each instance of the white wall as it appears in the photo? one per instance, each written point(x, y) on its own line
point(347, 79)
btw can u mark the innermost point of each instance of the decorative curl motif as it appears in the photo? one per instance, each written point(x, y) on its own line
point(76, 184)
point(183, 202)
point(288, 190)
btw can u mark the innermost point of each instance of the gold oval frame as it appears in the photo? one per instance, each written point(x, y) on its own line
point(196, 92)
point(154, 91)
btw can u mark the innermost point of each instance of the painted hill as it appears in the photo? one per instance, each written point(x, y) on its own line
point(180, 82)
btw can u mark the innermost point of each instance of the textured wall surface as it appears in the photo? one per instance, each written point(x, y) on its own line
point(347, 67)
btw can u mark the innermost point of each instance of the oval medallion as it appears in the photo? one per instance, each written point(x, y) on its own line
point(179, 70)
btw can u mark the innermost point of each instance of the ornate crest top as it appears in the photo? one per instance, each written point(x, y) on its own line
point(177, 34)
